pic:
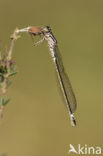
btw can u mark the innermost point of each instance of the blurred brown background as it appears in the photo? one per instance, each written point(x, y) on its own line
point(36, 121)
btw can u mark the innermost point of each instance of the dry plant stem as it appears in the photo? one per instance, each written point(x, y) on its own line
point(11, 48)
point(1, 111)
point(3, 90)
point(13, 38)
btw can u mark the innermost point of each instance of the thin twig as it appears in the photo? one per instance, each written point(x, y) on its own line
point(13, 38)
point(5, 63)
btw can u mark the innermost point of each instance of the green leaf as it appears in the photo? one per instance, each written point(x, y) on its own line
point(1, 78)
point(12, 73)
point(1, 100)
point(6, 102)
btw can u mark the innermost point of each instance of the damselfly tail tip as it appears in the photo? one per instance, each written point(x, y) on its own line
point(73, 121)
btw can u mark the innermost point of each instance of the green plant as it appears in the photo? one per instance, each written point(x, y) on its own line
point(7, 70)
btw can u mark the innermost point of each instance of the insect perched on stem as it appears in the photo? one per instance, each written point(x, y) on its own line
point(64, 81)
point(39, 31)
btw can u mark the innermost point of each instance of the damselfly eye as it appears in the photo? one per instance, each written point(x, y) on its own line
point(47, 29)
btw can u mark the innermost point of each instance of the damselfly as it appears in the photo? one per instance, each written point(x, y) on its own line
point(65, 84)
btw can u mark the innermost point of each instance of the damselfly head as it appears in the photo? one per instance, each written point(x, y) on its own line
point(47, 29)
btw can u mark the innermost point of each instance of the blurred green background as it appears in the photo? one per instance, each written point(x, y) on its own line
point(36, 121)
